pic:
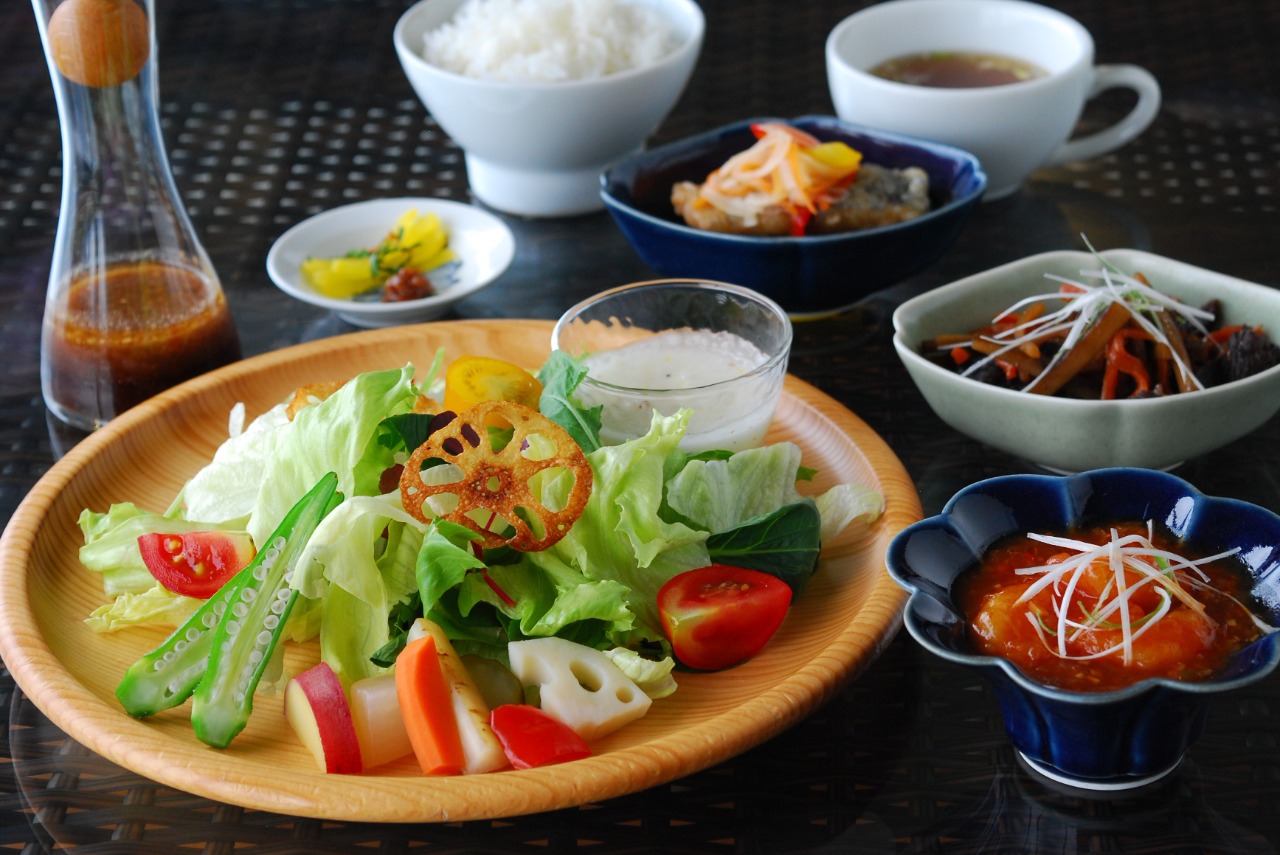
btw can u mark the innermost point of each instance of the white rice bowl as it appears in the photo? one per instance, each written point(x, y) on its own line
point(548, 40)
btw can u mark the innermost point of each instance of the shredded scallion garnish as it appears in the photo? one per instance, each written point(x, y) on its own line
point(1134, 564)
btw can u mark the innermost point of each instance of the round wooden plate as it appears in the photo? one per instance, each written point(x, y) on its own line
point(844, 618)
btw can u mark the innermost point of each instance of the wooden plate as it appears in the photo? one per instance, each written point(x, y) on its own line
point(843, 619)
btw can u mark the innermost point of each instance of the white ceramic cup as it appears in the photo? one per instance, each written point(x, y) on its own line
point(1013, 129)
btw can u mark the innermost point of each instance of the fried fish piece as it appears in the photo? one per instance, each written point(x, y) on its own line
point(688, 202)
point(880, 196)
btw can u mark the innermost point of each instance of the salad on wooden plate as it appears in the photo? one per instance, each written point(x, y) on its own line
point(489, 585)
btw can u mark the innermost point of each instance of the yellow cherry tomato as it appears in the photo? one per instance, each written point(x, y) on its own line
point(469, 380)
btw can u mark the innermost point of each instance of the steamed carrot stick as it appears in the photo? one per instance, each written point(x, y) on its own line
point(427, 707)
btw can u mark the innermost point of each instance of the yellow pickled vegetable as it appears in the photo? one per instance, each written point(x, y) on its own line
point(416, 242)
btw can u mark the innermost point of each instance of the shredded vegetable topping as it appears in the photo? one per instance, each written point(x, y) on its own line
point(1132, 566)
point(786, 167)
point(1084, 305)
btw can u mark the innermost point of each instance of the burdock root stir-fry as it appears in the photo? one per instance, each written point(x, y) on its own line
point(1119, 338)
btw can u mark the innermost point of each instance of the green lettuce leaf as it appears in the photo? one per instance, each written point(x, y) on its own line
point(359, 564)
point(226, 489)
point(652, 676)
point(621, 537)
point(339, 434)
point(154, 605)
point(560, 376)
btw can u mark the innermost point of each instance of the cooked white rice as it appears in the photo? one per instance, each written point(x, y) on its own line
point(548, 40)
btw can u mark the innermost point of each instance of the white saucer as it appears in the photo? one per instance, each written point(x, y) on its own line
point(484, 246)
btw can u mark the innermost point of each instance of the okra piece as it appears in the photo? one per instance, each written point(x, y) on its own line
point(168, 675)
point(253, 621)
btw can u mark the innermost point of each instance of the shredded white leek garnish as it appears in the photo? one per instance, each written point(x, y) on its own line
point(1172, 576)
point(1079, 312)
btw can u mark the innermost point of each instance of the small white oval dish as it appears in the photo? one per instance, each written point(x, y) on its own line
point(483, 244)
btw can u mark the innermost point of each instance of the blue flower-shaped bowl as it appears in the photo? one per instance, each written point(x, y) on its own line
point(807, 275)
point(1108, 740)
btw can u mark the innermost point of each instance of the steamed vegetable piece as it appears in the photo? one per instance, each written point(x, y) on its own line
point(578, 685)
point(532, 738)
point(481, 750)
point(375, 714)
point(168, 675)
point(427, 707)
point(414, 242)
point(316, 707)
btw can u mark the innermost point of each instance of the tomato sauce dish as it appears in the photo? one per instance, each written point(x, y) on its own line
point(1107, 609)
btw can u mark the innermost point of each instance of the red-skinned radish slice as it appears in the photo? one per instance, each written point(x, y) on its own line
point(316, 708)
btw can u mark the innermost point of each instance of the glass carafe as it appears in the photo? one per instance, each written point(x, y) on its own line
point(134, 306)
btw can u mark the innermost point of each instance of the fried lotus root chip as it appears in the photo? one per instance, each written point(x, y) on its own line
point(312, 393)
point(488, 490)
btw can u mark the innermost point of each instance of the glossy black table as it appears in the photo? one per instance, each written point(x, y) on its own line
point(276, 110)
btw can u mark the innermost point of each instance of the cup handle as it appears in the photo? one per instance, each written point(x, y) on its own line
point(1111, 77)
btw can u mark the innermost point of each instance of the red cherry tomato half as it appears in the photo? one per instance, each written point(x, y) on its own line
point(719, 615)
point(532, 738)
point(195, 564)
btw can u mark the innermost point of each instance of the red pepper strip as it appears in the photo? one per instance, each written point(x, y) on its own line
point(1121, 361)
point(799, 221)
point(1009, 368)
point(1222, 336)
point(959, 355)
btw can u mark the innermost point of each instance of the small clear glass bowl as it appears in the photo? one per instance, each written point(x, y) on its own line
point(716, 349)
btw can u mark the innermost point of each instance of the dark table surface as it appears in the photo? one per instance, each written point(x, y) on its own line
point(278, 109)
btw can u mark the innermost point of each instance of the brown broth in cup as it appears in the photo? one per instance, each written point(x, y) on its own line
point(957, 69)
